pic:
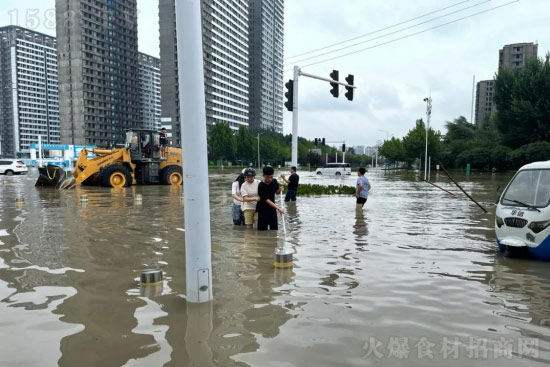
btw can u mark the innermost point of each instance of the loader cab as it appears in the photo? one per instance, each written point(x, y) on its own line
point(143, 144)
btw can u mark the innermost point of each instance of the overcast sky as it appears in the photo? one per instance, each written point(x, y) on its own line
point(392, 79)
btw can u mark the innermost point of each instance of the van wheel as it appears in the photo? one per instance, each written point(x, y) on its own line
point(172, 175)
point(319, 173)
point(115, 175)
point(338, 174)
point(9, 173)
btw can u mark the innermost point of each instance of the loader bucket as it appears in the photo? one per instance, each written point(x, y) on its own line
point(52, 176)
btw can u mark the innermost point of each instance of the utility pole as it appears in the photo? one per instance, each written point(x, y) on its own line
point(428, 114)
point(198, 263)
point(473, 93)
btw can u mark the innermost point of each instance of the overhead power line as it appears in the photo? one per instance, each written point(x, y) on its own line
point(379, 30)
point(391, 33)
point(408, 36)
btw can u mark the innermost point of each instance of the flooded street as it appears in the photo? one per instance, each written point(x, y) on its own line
point(416, 280)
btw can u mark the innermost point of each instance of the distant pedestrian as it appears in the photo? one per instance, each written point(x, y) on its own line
point(362, 188)
point(267, 209)
point(292, 183)
point(237, 212)
point(249, 193)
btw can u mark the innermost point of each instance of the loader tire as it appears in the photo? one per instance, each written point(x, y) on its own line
point(172, 175)
point(115, 175)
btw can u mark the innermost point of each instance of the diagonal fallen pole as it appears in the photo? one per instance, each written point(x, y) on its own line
point(461, 189)
point(439, 187)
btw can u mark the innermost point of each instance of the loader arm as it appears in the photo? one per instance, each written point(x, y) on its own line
point(86, 168)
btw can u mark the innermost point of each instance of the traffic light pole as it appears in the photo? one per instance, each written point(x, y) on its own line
point(295, 118)
point(297, 74)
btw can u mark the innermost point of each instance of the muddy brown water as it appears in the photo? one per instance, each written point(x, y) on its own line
point(415, 280)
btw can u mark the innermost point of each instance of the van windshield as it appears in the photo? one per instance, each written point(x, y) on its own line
point(531, 187)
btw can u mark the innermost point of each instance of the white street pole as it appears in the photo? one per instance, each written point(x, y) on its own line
point(377, 157)
point(326, 159)
point(428, 113)
point(295, 118)
point(372, 159)
point(336, 156)
point(429, 167)
point(193, 131)
point(259, 166)
point(40, 151)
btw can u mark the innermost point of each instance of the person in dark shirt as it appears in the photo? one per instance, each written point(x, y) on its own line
point(292, 183)
point(266, 208)
point(163, 141)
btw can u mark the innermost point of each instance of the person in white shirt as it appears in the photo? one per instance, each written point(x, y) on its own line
point(249, 194)
point(238, 215)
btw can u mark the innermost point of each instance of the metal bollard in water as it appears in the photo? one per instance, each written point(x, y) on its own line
point(138, 199)
point(151, 277)
point(283, 259)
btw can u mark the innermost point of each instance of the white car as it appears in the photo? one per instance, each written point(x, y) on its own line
point(337, 169)
point(12, 166)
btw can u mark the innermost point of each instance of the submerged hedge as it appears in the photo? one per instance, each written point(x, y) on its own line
point(307, 189)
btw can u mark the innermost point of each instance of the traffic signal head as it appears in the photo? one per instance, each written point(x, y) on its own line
point(334, 90)
point(316, 141)
point(289, 94)
point(323, 141)
point(349, 90)
point(343, 148)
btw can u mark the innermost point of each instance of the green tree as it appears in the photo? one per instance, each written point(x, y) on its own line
point(221, 141)
point(393, 149)
point(415, 142)
point(522, 97)
point(246, 145)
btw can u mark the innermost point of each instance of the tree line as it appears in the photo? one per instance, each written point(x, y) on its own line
point(516, 134)
point(241, 148)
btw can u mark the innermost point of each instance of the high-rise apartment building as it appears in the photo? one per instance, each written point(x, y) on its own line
point(29, 103)
point(512, 56)
point(516, 55)
point(266, 41)
point(484, 101)
point(225, 48)
point(98, 70)
point(359, 149)
point(149, 91)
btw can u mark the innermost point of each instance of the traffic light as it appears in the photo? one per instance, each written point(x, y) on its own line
point(349, 93)
point(323, 142)
point(334, 76)
point(343, 148)
point(316, 141)
point(289, 104)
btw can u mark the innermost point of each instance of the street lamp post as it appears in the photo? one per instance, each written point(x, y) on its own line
point(258, 137)
point(428, 101)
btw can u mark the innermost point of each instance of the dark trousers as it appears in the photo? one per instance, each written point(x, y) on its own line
point(267, 218)
point(291, 195)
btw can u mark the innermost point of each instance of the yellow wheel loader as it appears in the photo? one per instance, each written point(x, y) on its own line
point(136, 162)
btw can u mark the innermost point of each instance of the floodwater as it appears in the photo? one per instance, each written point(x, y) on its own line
point(414, 280)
